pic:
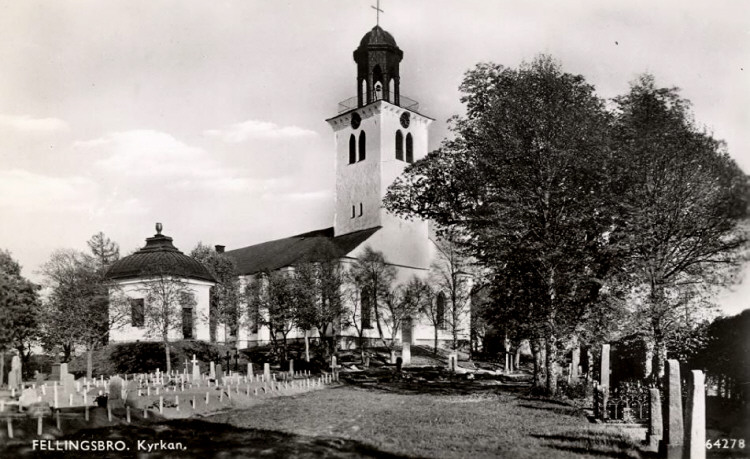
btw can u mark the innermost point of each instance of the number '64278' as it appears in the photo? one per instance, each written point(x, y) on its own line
point(726, 443)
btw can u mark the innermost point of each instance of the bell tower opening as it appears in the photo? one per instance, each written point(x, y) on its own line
point(378, 58)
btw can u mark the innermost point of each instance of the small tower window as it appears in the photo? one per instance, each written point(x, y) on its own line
point(352, 149)
point(362, 146)
point(360, 209)
point(399, 146)
point(409, 149)
point(354, 214)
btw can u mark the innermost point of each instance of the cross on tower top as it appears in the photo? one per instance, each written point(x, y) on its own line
point(377, 12)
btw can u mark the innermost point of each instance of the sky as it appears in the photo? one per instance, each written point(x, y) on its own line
point(209, 117)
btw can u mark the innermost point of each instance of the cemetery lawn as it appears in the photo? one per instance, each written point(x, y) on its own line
point(486, 424)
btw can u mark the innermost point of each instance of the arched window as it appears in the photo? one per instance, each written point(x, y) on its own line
point(409, 149)
point(362, 146)
point(352, 149)
point(353, 212)
point(366, 308)
point(440, 310)
point(399, 145)
point(363, 91)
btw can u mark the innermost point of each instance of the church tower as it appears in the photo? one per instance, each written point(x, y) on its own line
point(378, 133)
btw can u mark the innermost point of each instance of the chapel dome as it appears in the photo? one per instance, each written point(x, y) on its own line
point(158, 256)
point(377, 36)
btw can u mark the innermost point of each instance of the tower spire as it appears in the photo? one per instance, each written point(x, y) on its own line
point(377, 12)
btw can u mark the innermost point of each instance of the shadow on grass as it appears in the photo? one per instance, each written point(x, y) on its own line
point(562, 410)
point(414, 381)
point(205, 439)
point(603, 444)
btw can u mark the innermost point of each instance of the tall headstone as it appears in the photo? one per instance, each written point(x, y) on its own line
point(219, 374)
point(575, 361)
point(655, 428)
point(674, 434)
point(406, 353)
point(266, 371)
point(604, 368)
point(196, 376)
point(334, 365)
point(55, 372)
point(695, 417)
point(250, 369)
point(115, 388)
point(15, 377)
point(212, 371)
point(291, 367)
point(393, 356)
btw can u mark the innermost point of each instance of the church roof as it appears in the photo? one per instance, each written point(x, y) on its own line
point(378, 36)
point(159, 255)
point(312, 246)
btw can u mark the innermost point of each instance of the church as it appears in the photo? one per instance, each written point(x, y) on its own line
point(377, 134)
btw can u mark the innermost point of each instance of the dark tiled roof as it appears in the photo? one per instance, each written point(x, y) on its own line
point(159, 255)
point(377, 36)
point(311, 246)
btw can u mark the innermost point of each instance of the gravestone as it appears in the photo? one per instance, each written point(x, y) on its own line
point(575, 361)
point(68, 383)
point(196, 370)
point(452, 362)
point(406, 353)
point(695, 417)
point(655, 428)
point(55, 373)
point(393, 356)
point(15, 377)
point(250, 370)
point(291, 367)
point(28, 397)
point(266, 372)
point(333, 363)
point(604, 368)
point(674, 434)
point(212, 371)
point(115, 399)
point(219, 373)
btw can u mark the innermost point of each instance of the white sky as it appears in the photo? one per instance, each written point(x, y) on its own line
point(209, 116)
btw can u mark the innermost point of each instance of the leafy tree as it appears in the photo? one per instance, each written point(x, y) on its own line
point(82, 306)
point(165, 297)
point(524, 178)
point(682, 198)
point(226, 294)
point(451, 273)
point(19, 309)
point(319, 301)
point(104, 249)
point(270, 300)
point(374, 277)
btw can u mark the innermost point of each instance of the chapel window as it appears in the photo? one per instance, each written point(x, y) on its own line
point(399, 145)
point(409, 149)
point(362, 146)
point(354, 212)
point(440, 310)
point(360, 209)
point(137, 313)
point(352, 149)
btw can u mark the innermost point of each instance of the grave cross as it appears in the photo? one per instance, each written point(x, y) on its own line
point(377, 12)
point(195, 361)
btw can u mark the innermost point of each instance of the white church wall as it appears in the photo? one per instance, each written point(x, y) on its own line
point(137, 289)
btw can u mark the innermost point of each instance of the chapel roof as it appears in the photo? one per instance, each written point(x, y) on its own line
point(158, 255)
point(311, 246)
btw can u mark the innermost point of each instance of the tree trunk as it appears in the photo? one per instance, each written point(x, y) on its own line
point(167, 355)
point(434, 350)
point(89, 363)
point(536, 348)
point(307, 347)
point(2, 368)
point(660, 356)
point(550, 364)
point(67, 349)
